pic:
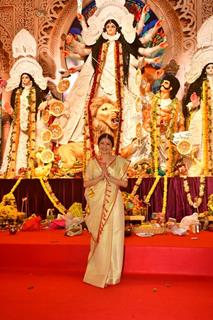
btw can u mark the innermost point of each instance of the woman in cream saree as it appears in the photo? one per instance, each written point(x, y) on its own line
point(105, 218)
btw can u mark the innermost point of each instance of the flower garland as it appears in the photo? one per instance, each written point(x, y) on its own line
point(10, 170)
point(206, 128)
point(155, 133)
point(165, 190)
point(210, 204)
point(157, 179)
point(136, 186)
point(50, 194)
point(8, 206)
point(88, 129)
point(119, 90)
point(15, 185)
point(10, 194)
point(31, 142)
point(86, 149)
point(197, 202)
point(31, 128)
point(131, 196)
point(98, 72)
point(147, 199)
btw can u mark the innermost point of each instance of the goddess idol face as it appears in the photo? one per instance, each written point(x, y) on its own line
point(111, 28)
point(25, 80)
point(209, 69)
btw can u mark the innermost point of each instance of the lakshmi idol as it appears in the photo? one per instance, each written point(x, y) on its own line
point(25, 85)
point(199, 120)
point(198, 103)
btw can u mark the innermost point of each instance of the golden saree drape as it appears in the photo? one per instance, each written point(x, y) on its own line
point(105, 222)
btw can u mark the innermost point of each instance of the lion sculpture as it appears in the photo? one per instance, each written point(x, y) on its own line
point(105, 114)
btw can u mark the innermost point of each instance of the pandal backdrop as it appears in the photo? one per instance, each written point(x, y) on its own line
point(161, 137)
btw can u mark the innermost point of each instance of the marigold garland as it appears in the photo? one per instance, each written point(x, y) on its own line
point(15, 185)
point(14, 141)
point(96, 82)
point(50, 194)
point(119, 85)
point(131, 196)
point(136, 186)
point(165, 190)
point(206, 127)
point(31, 142)
point(197, 202)
point(10, 170)
point(8, 205)
point(156, 137)
point(157, 179)
point(88, 130)
point(147, 199)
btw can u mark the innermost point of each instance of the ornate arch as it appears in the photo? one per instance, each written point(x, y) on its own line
point(207, 9)
point(5, 50)
point(179, 25)
point(171, 27)
point(186, 11)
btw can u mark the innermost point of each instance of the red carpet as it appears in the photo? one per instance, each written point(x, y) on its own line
point(64, 297)
point(41, 278)
point(186, 255)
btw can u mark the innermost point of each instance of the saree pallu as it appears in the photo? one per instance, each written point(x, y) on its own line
point(105, 222)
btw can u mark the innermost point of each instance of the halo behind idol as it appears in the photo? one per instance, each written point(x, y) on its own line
point(107, 10)
point(24, 49)
point(204, 53)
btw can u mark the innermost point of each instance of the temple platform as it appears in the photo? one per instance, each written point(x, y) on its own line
point(164, 277)
point(51, 250)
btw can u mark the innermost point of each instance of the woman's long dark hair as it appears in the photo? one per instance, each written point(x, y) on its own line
point(127, 49)
point(38, 91)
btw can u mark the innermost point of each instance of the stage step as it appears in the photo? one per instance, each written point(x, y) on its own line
point(160, 254)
